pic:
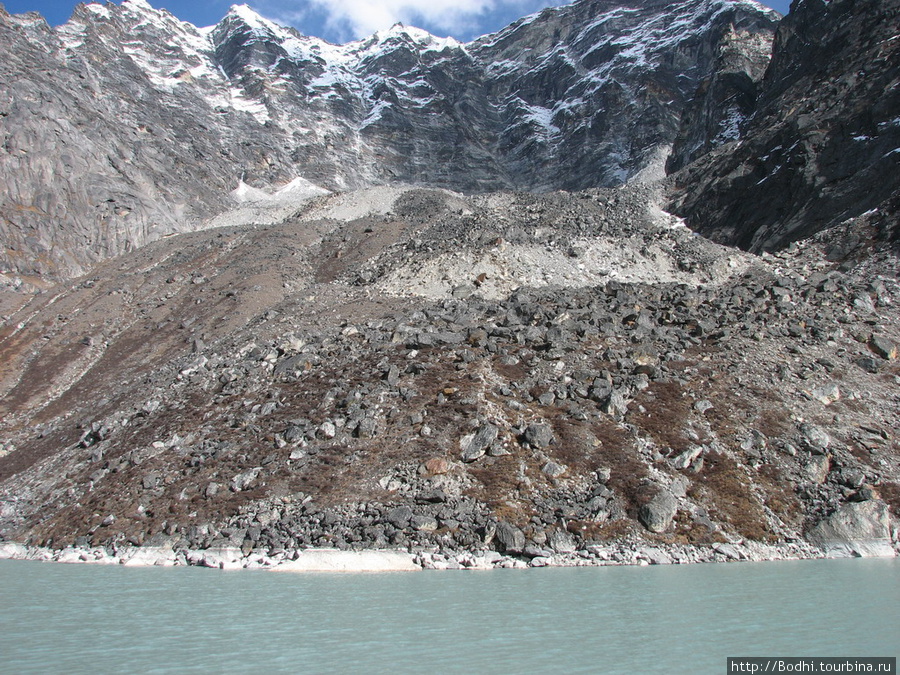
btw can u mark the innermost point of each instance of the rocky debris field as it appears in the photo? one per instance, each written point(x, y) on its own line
point(509, 378)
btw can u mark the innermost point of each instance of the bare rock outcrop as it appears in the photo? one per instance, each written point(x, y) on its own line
point(823, 143)
point(126, 125)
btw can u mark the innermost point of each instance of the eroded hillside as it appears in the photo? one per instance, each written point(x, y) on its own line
point(414, 368)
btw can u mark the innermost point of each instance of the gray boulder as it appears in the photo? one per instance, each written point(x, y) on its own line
point(817, 468)
point(553, 469)
point(399, 516)
point(658, 513)
point(816, 440)
point(245, 479)
point(616, 405)
point(856, 529)
point(563, 542)
point(883, 347)
point(475, 445)
point(539, 435)
point(509, 538)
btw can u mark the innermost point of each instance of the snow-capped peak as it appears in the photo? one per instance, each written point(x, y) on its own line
point(258, 23)
point(537, 86)
point(138, 5)
point(267, 29)
point(250, 17)
point(417, 35)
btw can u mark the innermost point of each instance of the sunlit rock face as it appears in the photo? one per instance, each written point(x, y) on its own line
point(126, 124)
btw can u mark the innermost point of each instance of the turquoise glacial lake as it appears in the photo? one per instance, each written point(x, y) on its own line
point(58, 618)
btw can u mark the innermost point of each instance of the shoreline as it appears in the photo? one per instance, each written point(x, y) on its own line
point(401, 560)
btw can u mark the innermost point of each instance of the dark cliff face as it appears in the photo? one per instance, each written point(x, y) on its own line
point(824, 142)
point(725, 100)
point(126, 124)
point(616, 77)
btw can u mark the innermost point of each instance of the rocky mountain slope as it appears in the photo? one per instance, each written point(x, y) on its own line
point(126, 124)
point(823, 143)
point(361, 373)
point(515, 378)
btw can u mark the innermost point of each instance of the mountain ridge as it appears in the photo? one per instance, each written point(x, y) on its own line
point(518, 109)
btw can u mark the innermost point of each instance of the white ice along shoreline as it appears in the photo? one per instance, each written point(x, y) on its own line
point(399, 560)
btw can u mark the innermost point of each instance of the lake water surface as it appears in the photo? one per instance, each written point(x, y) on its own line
point(667, 619)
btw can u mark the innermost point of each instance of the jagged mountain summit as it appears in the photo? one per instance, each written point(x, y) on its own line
point(126, 124)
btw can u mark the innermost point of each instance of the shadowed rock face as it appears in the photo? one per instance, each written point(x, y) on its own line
point(725, 100)
point(95, 160)
point(126, 124)
point(824, 143)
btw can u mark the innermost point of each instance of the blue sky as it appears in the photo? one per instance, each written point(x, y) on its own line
point(342, 20)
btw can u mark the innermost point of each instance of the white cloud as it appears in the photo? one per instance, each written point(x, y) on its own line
point(364, 17)
point(350, 19)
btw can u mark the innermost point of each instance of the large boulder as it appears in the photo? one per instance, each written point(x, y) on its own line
point(539, 435)
point(658, 513)
point(509, 538)
point(473, 446)
point(856, 529)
